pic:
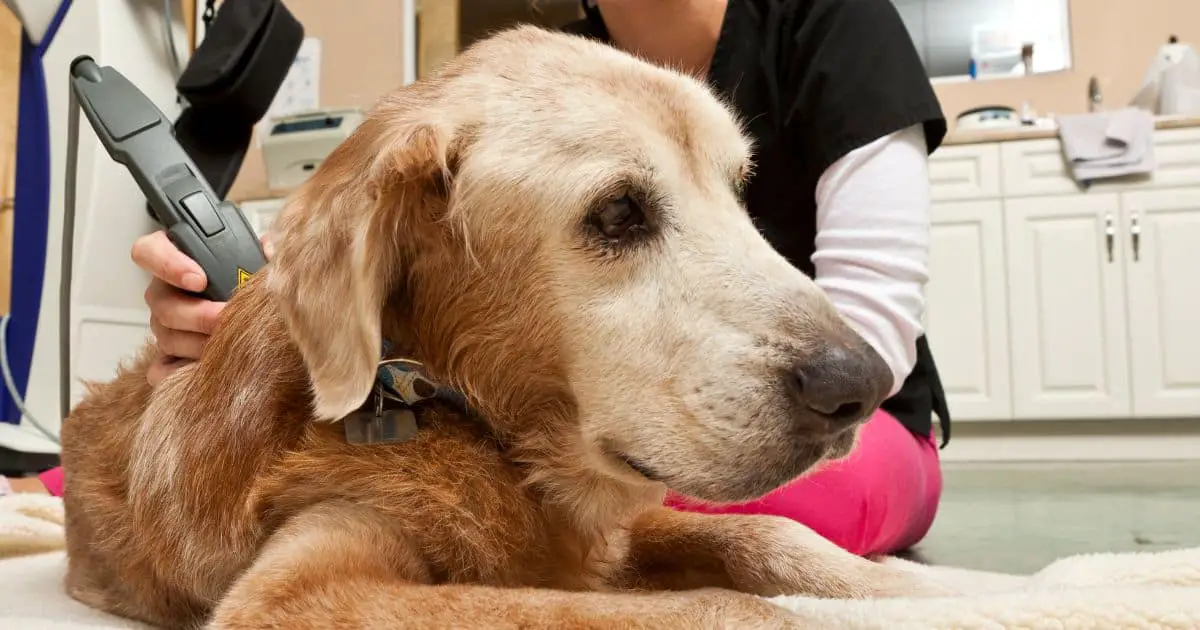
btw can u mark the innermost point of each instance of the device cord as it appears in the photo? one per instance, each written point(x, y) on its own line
point(169, 33)
point(11, 385)
point(67, 255)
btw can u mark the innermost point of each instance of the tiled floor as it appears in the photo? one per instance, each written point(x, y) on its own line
point(1019, 517)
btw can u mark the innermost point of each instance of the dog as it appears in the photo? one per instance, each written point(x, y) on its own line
point(552, 229)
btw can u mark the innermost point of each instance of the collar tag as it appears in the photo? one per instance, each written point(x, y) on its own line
point(394, 425)
point(380, 425)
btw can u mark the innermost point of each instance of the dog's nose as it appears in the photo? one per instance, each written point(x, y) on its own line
point(838, 383)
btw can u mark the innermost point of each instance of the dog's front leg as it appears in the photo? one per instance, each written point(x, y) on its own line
point(344, 566)
point(763, 555)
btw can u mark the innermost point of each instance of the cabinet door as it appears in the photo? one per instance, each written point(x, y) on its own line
point(966, 314)
point(1164, 300)
point(1067, 307)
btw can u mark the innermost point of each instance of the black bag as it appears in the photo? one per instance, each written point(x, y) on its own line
point(230, 81)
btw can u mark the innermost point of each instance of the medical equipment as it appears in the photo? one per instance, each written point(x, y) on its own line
point(297, 144)
point(137, 135)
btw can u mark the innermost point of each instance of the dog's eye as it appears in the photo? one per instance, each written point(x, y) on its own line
point(619, 217)
point(740, 180)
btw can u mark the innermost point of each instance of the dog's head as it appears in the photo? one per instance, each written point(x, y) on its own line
point(554, 227)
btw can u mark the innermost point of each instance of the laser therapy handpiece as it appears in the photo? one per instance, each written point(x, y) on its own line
point(135, 133)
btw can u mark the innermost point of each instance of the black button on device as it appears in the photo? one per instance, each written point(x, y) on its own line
point(203, 213)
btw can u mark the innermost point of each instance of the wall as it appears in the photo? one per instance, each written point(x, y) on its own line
point(362, 58)
point(1113, 40)
point(10, 58)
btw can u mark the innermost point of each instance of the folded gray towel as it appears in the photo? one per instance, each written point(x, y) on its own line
point(1108, 144)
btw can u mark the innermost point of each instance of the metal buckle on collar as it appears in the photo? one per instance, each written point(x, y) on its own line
point(402, 380)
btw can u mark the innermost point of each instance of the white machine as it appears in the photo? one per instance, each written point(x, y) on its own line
point(109, 318)
point(297, 144)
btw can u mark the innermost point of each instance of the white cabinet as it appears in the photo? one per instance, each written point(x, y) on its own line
point(1163, 281)
point(1067, 307)
point(1048, 302)
point(966, 311)
point(965, 172)
point(1035, 167)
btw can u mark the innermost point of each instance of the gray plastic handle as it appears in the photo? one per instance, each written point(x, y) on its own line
point(136, 134)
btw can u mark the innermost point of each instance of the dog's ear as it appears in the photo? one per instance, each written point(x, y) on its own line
point(339, 255)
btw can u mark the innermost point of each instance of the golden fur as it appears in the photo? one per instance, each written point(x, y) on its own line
point(453, 222)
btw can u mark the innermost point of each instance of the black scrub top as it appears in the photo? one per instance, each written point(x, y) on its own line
point(816, 79)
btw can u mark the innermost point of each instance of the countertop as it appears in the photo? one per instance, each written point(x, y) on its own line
point(979, 136)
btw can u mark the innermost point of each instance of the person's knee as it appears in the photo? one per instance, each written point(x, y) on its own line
point(848, 522)
point(861, 511)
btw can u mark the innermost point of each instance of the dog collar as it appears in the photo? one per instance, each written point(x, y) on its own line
point(388, 415)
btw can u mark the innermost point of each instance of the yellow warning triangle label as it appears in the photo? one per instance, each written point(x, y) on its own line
point(243, 276)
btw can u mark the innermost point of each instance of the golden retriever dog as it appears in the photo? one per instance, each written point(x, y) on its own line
point(552, 228)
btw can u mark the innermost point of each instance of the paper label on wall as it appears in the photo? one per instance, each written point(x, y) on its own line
point(301, 90)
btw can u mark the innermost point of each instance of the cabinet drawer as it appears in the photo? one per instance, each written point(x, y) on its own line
point(1037, 167)
point(965, 172)
point(1177, 153)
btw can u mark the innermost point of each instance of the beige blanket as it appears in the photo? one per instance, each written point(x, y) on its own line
point(1150, 590)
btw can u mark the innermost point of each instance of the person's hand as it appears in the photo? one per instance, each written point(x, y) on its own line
point(181, 323)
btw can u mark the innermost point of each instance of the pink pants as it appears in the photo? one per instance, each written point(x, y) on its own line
point(53, 480)
point(880, 499)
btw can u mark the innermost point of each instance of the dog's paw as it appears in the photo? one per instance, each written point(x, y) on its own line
point(889, 582)
point(794, 560)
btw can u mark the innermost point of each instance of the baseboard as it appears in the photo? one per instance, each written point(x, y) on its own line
point(1054, 441)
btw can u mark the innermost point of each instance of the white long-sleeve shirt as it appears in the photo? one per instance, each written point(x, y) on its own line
point(872, 243)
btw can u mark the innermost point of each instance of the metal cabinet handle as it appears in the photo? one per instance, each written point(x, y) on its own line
point(1110, 234)
point(1135, 234)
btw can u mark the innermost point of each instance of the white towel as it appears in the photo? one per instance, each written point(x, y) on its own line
point(1108, 144)
point(1129, 591)
point(30, 523)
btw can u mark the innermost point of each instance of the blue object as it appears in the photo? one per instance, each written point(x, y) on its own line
point(31, 214)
